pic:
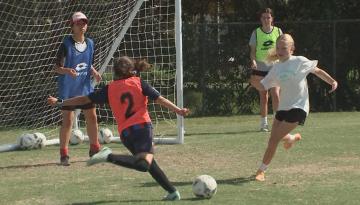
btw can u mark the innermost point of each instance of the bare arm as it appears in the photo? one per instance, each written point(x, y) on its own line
point(62, 70)
point(96, 74)
point(168, 104)
point(79, 100)
point(253, 56)
point(327, 78)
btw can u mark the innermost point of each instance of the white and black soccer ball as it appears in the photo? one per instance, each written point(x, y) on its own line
point(26, 141)
point(204, 186)
point(77, 137)
point(105, 135)
point(40, 140)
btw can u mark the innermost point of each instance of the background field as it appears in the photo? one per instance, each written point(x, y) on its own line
point(324, 168)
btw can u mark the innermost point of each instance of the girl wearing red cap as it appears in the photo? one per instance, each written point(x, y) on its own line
point(74, 68)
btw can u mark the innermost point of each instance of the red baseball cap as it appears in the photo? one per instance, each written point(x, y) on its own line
point(77, 16)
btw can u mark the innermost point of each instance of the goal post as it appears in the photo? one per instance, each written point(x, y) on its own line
point(31, 32)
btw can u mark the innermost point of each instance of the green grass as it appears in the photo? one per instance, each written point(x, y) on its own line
point(323, 168)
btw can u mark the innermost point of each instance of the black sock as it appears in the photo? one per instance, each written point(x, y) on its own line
point(160, 177)
point(128, 161)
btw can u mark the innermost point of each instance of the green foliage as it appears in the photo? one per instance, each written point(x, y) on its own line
point(323, 30)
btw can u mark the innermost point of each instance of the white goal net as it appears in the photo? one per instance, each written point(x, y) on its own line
point(31, 32)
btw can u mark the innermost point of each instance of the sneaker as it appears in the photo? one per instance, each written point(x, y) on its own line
point(64, 161)
point(99, 157)
point(92, 153)
point(175, 196)
point(289, 143)
point(264, 128)
point(260, 176)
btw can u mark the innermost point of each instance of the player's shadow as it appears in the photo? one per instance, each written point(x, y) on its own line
point(48, 164)
point(222, 133)
point(94, 202)
point(136, 201)
point(232, 181)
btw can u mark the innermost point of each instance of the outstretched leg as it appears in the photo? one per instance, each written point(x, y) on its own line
point(280, 129)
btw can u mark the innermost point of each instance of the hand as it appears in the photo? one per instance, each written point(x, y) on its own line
point(334, 85)
point(253, 64)
point(96, 75)
point(52, 100)
point(72, 72)
point(183, 112)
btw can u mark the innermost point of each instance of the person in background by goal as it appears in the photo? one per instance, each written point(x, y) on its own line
point(262, 39)
point(289, 73)
point(74, 68)
point(127, 96)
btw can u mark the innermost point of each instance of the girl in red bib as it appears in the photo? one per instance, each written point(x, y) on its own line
point(127, 96)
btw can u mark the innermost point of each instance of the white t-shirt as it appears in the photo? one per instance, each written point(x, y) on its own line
point(290, 76)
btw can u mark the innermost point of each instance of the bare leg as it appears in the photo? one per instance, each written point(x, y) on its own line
point(65, 130)
point(275, 92)
point(263, 94)
point(279, 131)
point(92, 130)
point(91, 125)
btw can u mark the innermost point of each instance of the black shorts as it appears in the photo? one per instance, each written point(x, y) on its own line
point(259, 72)
point(138, 138)
point(82, 107)
point(291, 116)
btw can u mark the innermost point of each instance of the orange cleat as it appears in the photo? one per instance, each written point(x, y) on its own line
point(290, 142)
point(260, 176)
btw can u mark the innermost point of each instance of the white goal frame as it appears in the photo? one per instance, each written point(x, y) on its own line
point(179, 139)
point(31, 33)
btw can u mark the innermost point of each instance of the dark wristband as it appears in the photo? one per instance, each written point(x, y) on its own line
point(59, 103)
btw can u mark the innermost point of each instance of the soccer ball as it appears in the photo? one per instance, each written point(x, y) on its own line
point(105, 135)
point(26, 141)
point(77, 137)
point(204, 186)
point(40, 140)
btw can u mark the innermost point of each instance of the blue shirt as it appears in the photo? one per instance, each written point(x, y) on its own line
point(80, 61)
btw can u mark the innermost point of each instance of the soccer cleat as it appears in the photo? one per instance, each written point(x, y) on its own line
point(92, 153)
point(99, 157)
point(288, 143)
point(260, 176)
point(64, 161)
point(264, 128)
point(175, 196)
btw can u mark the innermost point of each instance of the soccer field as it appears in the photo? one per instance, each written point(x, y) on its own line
point(323, 168)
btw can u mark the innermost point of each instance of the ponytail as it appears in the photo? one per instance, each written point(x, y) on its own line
point(125, 67)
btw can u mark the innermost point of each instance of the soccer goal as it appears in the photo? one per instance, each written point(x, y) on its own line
point(31, 32)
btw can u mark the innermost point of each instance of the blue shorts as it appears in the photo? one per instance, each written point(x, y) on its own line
point(138, 138)
point(294, 115)
point(81, 107)
point(259, 72)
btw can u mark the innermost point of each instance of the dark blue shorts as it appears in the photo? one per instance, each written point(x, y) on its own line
point(82, 107)
point(138, 138)
point(294, 115)
point(259, 72)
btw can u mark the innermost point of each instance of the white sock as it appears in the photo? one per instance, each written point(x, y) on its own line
point(264, 120)
point(263, 167)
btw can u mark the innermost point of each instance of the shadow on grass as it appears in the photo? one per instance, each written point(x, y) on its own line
point(222, 133)
point(38, 165)
point(233, 181)
point(132, 201)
